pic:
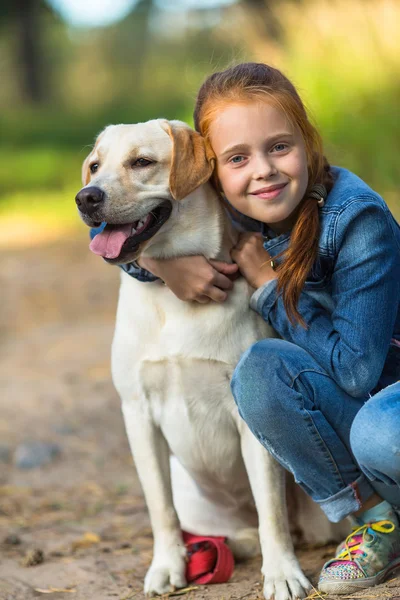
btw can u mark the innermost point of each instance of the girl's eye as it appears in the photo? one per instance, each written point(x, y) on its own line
point(142, 162)
point(280, 147)
point(93, 168)
point(237, 159)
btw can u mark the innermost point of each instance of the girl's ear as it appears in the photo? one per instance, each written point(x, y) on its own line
point(192, 162)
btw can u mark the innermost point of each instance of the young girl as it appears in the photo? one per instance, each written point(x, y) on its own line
point(323, 256)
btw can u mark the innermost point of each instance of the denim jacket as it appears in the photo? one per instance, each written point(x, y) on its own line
point(351, 299)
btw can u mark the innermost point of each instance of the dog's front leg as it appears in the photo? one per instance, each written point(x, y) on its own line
point(151, 455)
point(283, 578)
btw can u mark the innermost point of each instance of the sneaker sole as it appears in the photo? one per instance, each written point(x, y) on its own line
point(339, 587)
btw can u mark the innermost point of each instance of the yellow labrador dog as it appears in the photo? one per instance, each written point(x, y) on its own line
point(200, 467)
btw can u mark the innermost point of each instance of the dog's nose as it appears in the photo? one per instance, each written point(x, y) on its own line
point(89, 199)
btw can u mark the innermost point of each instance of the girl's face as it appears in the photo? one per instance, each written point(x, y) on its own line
point(261, 162)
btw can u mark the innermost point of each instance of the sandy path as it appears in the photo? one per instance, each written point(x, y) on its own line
point(85, 511)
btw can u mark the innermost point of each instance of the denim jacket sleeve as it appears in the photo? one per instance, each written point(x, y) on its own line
point(131, 268)
point(351, 341)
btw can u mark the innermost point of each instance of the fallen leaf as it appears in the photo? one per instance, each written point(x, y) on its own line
point(89, 539)
point(131, 595)
point(179, 592)
point(33, 557)
point(53, 590)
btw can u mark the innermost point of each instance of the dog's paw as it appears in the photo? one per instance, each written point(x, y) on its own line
point(165, 575)
point(285, 582)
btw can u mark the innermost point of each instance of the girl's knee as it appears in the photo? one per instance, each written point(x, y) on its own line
point(374, 435)
point(260, 380)
point(257, 359)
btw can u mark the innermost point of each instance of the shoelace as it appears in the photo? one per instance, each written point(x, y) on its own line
point(357, 537)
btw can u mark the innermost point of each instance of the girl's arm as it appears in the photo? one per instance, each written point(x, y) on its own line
point(351, 342)
point(193, 278)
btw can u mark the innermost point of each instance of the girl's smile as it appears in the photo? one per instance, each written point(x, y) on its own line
point(261, 162)
point(269, 192)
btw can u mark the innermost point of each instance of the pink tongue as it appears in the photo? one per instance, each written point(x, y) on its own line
point(109, 243)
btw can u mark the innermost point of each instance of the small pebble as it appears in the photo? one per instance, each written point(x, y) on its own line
point(124, 545)
point(64, 428)
point(12, 540)
point(31, 455)
point(5, 454)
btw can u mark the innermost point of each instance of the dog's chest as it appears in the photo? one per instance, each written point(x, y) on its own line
point(152, 324)
point(177, 359)
point(191, 402)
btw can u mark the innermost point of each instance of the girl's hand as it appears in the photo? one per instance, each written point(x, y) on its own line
point(193, 278)
point(253, 260)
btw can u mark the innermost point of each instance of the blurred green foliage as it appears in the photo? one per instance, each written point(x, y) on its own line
point(344, 57)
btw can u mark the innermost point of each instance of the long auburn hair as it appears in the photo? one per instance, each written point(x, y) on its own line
point(248, 82)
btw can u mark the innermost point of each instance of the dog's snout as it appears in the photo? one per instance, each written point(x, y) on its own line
point(89, 199)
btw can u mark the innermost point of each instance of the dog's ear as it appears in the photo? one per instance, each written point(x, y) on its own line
point(193, 160)
point(86, 162)
point(85, 170)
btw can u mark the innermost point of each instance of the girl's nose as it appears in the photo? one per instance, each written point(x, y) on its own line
point(264, 168)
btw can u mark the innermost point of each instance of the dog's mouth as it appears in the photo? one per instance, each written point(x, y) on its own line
point(116, 241)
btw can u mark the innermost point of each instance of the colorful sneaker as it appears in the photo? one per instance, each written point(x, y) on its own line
point(364, 559)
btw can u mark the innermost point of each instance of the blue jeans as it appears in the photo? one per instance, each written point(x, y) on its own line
point(340, 449)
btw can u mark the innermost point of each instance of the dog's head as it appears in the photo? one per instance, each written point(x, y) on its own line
point(132, 179)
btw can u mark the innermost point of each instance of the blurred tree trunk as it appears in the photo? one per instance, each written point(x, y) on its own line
point(142, 14)
point(27, 20)
point(132, 43)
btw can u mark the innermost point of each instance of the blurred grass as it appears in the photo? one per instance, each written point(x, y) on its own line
point(41, 153)
point(38, 185)
point(343, 55)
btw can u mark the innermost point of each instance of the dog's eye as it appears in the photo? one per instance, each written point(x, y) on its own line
point(93, 168)
point(142, 162)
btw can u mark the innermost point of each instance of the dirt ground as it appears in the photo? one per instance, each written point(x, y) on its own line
point(84, 511)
